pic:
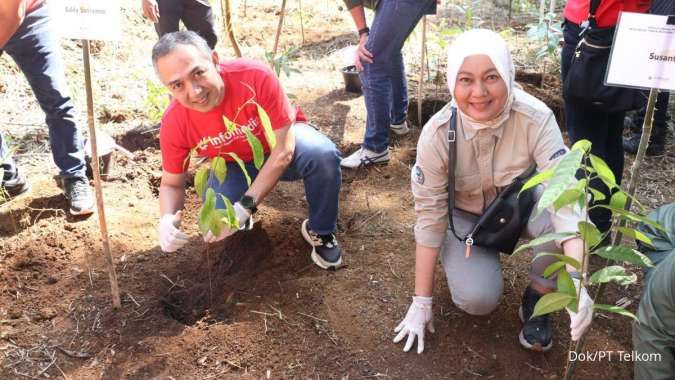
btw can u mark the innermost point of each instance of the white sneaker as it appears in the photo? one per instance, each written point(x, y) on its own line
point(400, 129)
point(364, 157)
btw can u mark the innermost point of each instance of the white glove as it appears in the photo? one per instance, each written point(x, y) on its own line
point(581, 320)
point(170, 237)
point(242, 215)
point(418, 317)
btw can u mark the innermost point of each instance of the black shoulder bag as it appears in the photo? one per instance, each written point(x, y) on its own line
point(502, 223)
point(585, 80)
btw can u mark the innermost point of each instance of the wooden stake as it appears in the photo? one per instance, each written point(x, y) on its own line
point(281, 23)
point(226, 8)
point(302, 24)
point(632, 185)
point(114, 287)
point(421, 82)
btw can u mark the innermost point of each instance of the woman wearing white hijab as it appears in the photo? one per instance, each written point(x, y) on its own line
point(501, 131)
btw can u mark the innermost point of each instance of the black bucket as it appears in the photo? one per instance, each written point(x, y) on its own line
point(352, 80)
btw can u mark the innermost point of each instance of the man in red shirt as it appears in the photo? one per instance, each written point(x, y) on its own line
point(207, 95)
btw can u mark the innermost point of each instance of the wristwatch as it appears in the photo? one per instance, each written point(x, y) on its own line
point(247, 202)
point(364, 30)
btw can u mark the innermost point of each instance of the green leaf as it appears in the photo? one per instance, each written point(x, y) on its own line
point(591, 235)
point(201, 180)
point(565, 284)
point(552, 268)
point(618, 200)
point(633, 216)
point(568, 260)
point(256, 147)
point(219, 167)
point(563, 176)
point(597, 195)
point(206, 210)
point(623, 253)
point(543, 239)
point(583, 145)
point(551, 302)
point(537, 179)
point(614, 273)
point(215, 225)
point(229, 124)
point(603, 171)
point(267, 127)
point(615, 309)
point(567, 197)
point(241, 164)
point(635, 234)
point(230, 218)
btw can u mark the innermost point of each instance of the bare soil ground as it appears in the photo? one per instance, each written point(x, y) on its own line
point(254, 306)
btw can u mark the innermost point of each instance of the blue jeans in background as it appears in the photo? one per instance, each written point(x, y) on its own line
point(35, 50)
point(384, 84)
point(316, 161)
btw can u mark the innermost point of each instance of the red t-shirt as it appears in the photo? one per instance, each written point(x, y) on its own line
point(245, 81)
point(32, 4)
point(607, 13)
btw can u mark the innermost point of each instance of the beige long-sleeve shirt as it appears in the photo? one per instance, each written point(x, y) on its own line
point(487, 161)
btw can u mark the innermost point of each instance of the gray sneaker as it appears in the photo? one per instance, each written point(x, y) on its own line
point(13, 186)
point(79, 195)
point(400, 129)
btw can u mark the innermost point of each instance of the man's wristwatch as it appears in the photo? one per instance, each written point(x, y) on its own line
point(247, 202)
point(364, 30)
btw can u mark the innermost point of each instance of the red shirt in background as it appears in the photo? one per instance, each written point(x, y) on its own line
point(245, 80)
point(607, 14)
point(33, 4)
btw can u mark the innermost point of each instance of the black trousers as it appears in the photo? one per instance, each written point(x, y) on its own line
point(196, 16)
point(660, 123)
point(602, 129)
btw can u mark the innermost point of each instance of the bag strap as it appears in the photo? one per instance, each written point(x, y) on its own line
point(452, 163)
point(590, 22)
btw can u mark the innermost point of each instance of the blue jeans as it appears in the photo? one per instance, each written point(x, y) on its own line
point(384, 84)
point(35, 50)
point(316, 161)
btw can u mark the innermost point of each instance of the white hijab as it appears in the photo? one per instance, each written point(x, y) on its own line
point(491, 44)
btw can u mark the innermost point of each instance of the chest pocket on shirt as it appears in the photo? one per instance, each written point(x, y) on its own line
point(468, 185)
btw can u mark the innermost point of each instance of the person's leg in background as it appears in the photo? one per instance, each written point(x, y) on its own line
point(198, 17)
point(657, 140)
point(393, 22)
point(35, 50)
point(170, 13)
point(399, 96)
point(13, 183)
point(602, 129)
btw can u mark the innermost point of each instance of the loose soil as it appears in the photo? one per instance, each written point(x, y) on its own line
point(254, 306)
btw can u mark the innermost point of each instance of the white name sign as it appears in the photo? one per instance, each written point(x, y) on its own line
point(87, 19)
point(643, 52)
